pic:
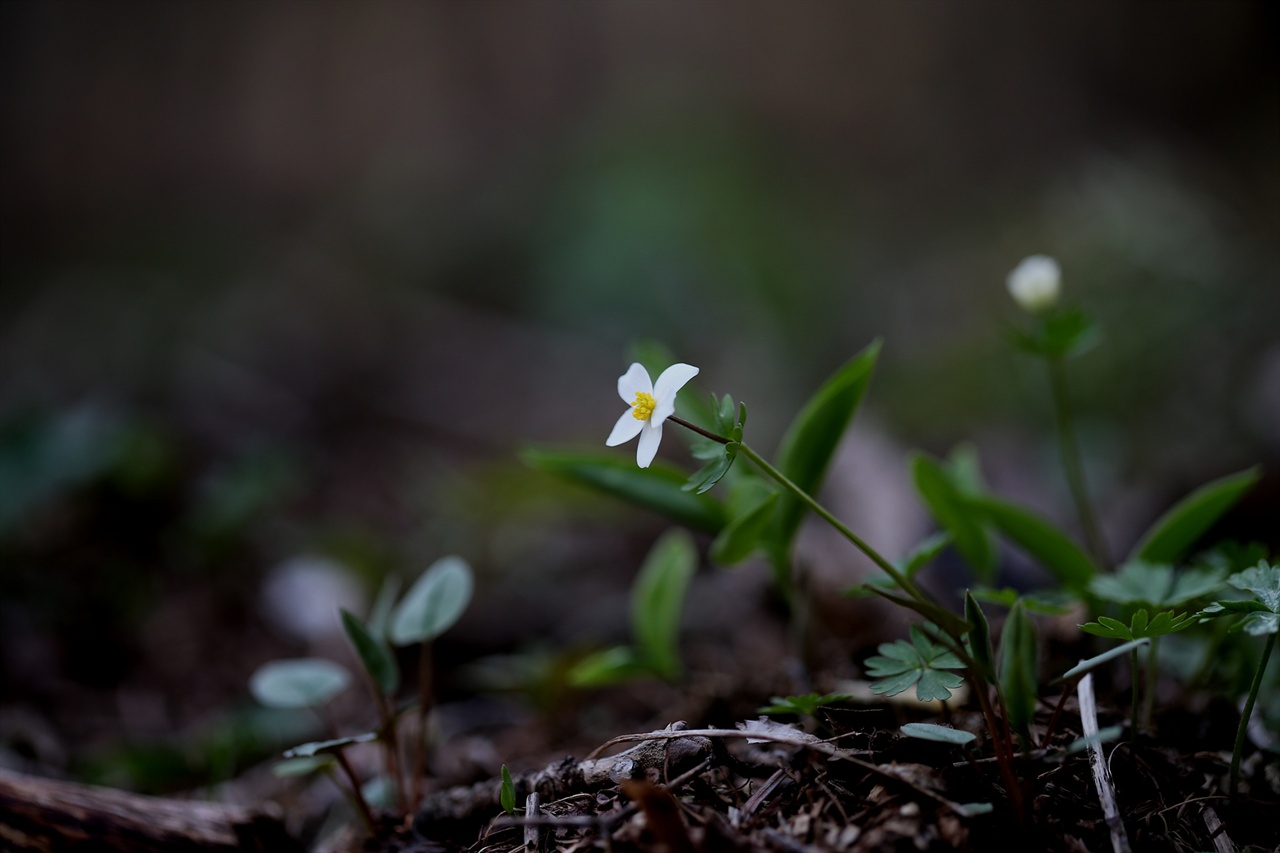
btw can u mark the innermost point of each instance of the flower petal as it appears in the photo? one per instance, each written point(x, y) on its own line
point(625, 429)
point(672, 380)
point(634, 381)
point(650, 438)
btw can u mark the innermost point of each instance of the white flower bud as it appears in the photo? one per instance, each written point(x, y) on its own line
point(1034, 283)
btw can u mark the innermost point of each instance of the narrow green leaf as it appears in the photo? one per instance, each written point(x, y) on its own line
point(298, 682)
point(373, 653)
point(657, 601)
point(952, 511)
point(1018, 668)
point(811, 439)
point(434, 603)
point(1173, 534)
point(923, 554)
point(1097, 660)
point(1036, 535)
point(658, 487)
point(326, 747)
point(301, 766)
point(384, 603)
point(941, 734)
point(507, 797)
point(743, 534)
point(609, 666)
point(979, 636)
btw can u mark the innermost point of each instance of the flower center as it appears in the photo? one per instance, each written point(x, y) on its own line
point(643, 407)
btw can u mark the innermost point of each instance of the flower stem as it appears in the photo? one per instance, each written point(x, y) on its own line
point(1247, 713)
point(1070, 449)
point(840, 527)
point(699, 430)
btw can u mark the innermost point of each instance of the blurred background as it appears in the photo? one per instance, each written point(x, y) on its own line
point(288, 285)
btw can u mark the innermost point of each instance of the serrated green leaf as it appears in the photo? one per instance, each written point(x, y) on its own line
point(1036, 535)
point(806, 705)
point(507, 796)
point(1263, 580)
point(1138, 624)
point(936, 685)
point(373, 653)
point(951, 509)
point(941, 734)
point(657, 601)
point(1260, 624)
point(1173, 534)
point(920, 662)
point(298, 682)
point(743, 534)
point(658, 487)
point(892, 685)
point(1098, 630)
point(434, 603)
point(810, 441)
point(1018, 676)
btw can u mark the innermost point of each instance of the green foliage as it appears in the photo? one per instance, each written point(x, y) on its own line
point(1261, 615)
point(810, 442)
point(1065, 333)
point(979, 636)
point(1097, 660)
point(1173, 534)
point(804, 706)
point(328, 747)
point(507, 795)
point(1019, 669)
point(719, 457)
point(434, 603)
point(657, 603)
point(1138, 582)
point(374, 655)
point(1142, 625)
point(920, 662)
point(946, 493)
point(298, 682)
point(941, 734)
point(660, 487)
point(752, 503)
point(1040, 538)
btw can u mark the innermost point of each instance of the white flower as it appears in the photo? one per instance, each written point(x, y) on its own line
point(1034, 283)
point(651, 404)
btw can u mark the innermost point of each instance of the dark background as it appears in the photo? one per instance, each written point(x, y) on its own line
point(286, 287)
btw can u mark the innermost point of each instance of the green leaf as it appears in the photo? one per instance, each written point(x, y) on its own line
point(979, 636)
point(507, 796)
point(920, 662)
point(935, 613)
point(1173, 534)
point(1065, 333)
point(1018, 668)
point(1138, 582)
point(384, 603)
point(301, 766)
point(1263, 580)
point(1036, 535)
point(657, 601)
point(941, 734)
point(609, 666)
point(1097, 660)
point(950, 508)
point(328, 747)
point(374, 655)
point(923, 554)
point(434, 603)
point(810, 441)
point(719, 457)
point(806, 705)
point(744, 532)
point(658, 487)
point(298, 682)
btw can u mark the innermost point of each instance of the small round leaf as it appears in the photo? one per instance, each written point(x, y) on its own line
point(434, 603)
point(298, 683)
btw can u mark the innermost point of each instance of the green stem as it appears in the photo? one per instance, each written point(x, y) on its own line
point(1070, 449)
point(1247, 713)
point(900, 579)
point(1153, 672)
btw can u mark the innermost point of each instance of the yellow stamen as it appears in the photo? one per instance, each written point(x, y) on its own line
point(643, 407)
